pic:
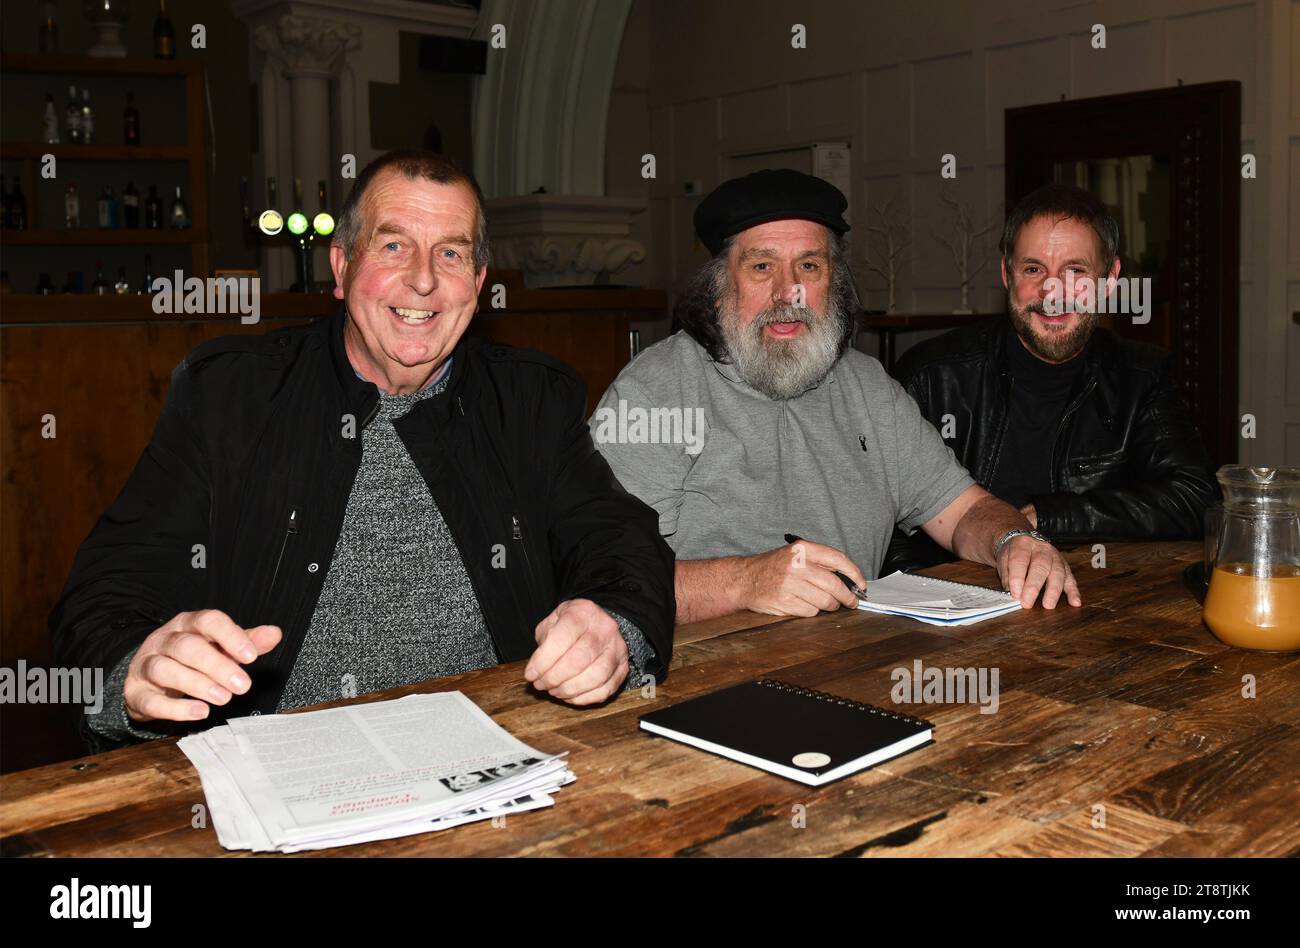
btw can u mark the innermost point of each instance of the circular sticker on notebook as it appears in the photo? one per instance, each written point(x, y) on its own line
point(811, 759)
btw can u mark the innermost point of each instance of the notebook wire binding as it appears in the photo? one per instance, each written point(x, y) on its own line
point(949, 582)
point(847, 702)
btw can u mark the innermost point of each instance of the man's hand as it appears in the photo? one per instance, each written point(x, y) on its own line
point(798, 580)
point(1027, 566)
point(193, 662)
point(971, 525)
point(1030, 514)
point(581, 657)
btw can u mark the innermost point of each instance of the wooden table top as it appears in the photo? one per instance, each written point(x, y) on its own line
point(1127, 704)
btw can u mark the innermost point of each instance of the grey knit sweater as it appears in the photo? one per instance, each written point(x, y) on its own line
point(396, 606)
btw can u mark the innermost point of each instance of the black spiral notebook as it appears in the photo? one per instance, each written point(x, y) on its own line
point(805, 735)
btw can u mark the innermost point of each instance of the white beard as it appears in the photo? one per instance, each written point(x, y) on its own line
point(783, 369)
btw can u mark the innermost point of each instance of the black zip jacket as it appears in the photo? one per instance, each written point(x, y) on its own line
point(254, 456)
point(1127, 462)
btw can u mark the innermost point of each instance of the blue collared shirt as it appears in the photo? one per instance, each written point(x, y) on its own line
point(442, 374)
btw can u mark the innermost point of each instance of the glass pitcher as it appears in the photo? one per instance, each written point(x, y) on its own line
point(1254, 596)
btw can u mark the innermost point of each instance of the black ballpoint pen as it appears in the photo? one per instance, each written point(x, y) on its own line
point(860, 593)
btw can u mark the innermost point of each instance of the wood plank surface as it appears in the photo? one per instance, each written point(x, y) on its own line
point(1121, 729)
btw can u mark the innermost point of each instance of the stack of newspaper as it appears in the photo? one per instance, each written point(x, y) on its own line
point(291, 782)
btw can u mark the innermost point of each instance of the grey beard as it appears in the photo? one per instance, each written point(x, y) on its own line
point(782, 369)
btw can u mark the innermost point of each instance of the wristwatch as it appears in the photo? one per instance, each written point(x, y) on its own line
point(1006, 537)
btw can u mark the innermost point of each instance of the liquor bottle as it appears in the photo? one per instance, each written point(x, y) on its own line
point(121, 287)
point(44, 285)
point(50, 122)
point(272, 194)
point(131, 121)
point(130, 206)
point(72, 117)
point(48, 42)
point(105, 207)
point(147, 286)
point(100, 287)
point(164, 39)
point(153, 209)
point(320, 196)
point(180, 216)
point(71, 206)
point(74, 282)
point(17, 207)
point(243, 202)
point(5, 285)
point(87, 118)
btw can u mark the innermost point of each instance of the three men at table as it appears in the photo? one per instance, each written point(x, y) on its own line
point(404, 502)
point(372, 500)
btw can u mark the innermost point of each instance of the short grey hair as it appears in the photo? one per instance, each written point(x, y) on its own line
point(412, 164)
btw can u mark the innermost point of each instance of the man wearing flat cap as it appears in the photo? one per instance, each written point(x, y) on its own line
point(763, 422)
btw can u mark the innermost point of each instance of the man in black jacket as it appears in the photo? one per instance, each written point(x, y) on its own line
point(372, 500)
point(1078, 428)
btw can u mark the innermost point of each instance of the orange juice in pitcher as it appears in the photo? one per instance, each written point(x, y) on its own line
point(1253, 600)
point(1258, 612)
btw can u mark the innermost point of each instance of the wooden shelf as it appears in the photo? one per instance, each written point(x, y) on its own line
point(98, 65)
point(70, 152)
point(57, 308)
point(192, 153)
point(95, 236)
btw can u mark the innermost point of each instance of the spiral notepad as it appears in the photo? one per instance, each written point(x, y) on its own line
point(795, 732)
point(936, 601)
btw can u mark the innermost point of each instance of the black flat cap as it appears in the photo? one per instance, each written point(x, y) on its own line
point(768, 195)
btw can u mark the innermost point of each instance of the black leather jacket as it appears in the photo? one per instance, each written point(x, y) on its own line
point(1127, 461)
point(254, 457)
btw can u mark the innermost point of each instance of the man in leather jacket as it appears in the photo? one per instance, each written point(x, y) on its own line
point(1078, 428)
point(368, 501)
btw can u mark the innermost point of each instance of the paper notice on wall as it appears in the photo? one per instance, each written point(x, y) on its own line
point(832, 161)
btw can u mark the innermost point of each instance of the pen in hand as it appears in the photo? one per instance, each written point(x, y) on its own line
point(856, 590)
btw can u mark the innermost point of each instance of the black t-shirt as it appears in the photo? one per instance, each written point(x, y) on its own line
point(1040, 393)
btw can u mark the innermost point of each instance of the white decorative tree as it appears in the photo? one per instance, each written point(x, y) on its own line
point(961, 244)
point(893, 240)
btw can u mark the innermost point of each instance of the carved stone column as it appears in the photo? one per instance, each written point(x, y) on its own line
point(307, 52)
point(313, 61)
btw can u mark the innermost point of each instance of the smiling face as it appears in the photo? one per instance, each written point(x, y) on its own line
point(1054, 247)
point(779, 319)
point(411, 286)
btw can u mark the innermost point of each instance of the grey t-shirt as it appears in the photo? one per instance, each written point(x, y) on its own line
point(730, 471)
